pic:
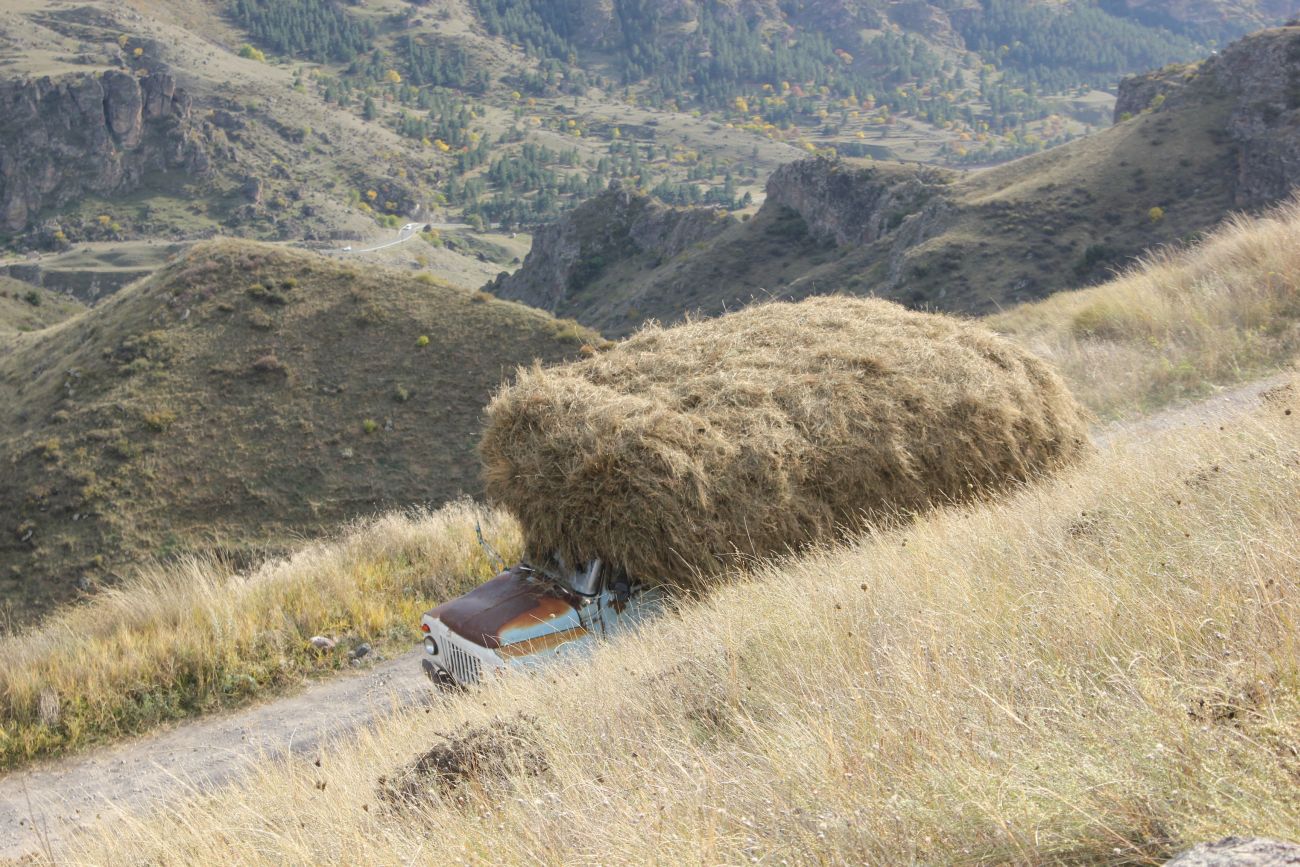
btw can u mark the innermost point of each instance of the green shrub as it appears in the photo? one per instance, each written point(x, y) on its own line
point(159, 420)
point(1107, 319)
point(370, 426)
point(50, 450)
point(422, 341)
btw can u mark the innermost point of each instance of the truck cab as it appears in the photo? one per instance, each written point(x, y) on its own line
point(527, 615)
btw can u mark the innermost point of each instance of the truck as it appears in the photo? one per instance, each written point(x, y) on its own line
point(529, 615)
point(686, 451)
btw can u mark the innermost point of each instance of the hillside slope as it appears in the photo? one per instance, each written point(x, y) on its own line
point(186, 638)
point(24, 307)
point(1212, 138)
point(242, 396)
point(1101, 669)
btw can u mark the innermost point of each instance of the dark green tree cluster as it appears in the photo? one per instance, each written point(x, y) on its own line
point(1055, 48)
point(429, 63)
point(319, 30)
point(542, 27)
point(447, 119)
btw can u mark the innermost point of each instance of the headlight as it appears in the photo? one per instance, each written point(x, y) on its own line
point(430, 647)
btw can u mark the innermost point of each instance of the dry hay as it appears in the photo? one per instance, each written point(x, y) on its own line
point(762, 431)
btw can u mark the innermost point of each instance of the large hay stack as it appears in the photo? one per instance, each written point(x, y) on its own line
point(762, 431)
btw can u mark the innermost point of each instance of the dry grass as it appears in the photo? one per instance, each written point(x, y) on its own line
point(768, 430)
point(197, 636)
point(1101, 669)
point(1183, 322)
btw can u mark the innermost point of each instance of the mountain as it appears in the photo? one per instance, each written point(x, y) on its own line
point(241, 397)
point(1192, 144)
point(327, 121)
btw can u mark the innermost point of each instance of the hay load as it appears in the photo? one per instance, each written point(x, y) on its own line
point(762, 431)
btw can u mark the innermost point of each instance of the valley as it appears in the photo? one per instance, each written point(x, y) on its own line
point(268, 269)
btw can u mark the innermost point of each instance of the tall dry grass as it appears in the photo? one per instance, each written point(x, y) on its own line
point(194, 636)
point(1181, 323)
point(1102, 669)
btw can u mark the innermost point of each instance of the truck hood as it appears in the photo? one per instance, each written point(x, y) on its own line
point(513, 608)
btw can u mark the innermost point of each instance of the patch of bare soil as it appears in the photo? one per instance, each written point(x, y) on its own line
point(481, 756)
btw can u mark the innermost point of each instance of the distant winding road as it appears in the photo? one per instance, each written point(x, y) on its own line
point(406, 233)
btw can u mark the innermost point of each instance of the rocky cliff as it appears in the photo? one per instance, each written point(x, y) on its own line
point(1260, 78)
point(615, 227)
point(847, 204)
point(1263, 74)
point(61, 140)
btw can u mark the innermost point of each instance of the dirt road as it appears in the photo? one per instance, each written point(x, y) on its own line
point(40, 807)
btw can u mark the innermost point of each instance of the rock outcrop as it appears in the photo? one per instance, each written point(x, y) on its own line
point(64, 139)
point(846, 204)
point(616, 226)
point(1150, 90)
point(1263, 74)
point(1240, 852)
point(1260, 78)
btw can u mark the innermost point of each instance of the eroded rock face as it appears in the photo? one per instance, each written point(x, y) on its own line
point(1260, 77)
point(1137, 93)
point(845, 204)
point(930, 21)
point(63, 139)
point(1240, 852)
point(1263, 74)
point(617, 225)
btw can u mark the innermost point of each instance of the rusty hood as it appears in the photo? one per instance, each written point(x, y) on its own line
point(512, 608)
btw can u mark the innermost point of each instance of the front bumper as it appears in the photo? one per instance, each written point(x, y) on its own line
point(439, 676)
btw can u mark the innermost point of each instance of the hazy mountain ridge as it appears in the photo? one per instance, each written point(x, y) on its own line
point(1218, 137)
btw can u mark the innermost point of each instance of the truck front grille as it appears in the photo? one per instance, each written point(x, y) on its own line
point(464, 668)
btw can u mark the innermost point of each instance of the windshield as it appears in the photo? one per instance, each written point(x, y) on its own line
point(586, 582)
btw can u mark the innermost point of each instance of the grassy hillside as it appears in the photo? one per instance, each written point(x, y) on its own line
point(24, 307)
point(188, 637)
point(983, 241)
point(199, 635)
point(1102, 669)
point(242, 397)
point(1183, 323)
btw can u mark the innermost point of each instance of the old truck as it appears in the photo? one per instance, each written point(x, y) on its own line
point(528, 615)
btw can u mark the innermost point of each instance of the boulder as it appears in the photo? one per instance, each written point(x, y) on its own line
point(1240, 852)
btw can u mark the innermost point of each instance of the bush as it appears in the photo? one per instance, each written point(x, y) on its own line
point(159, 420)
point(422, 341)
point(369, 426)
point(1110, 319)
point(248, 52)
